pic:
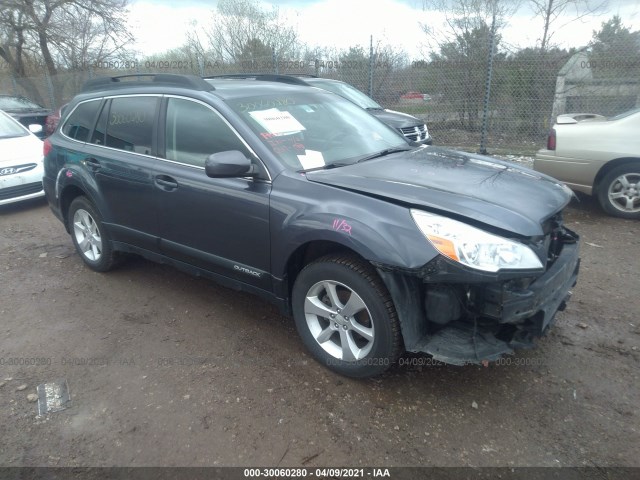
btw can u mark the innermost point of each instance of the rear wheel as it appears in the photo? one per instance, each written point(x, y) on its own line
point(345, 316)
point(89, 236)
point(619, 191)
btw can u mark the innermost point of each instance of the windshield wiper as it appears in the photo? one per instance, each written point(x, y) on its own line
point(328, 166)
point(387, 151)
point(383, 153)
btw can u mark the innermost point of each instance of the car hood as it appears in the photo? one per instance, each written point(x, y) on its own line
point(396, 119)
point(483, 189)
point(19, 150)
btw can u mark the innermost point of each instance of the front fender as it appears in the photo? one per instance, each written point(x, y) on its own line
point(377, 230)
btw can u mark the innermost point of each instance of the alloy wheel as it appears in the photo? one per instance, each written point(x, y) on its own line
point(339, 320)
point(624, 193)
point(87, 235)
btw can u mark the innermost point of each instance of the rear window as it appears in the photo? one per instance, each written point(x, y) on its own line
point(625, 114)
point(17, 103)
point(81, 121)
point(350, 93)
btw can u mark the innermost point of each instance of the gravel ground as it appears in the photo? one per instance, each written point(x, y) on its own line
point(169, 370)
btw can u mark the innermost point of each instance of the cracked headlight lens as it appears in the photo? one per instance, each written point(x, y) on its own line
point(473, 247)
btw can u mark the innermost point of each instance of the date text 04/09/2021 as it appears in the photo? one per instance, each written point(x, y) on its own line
point(317, 473)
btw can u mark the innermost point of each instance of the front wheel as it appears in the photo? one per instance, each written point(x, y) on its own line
point(89, 235)
point(345, 316)
point(619, 191)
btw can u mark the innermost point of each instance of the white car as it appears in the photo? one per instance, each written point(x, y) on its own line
point(598, 156)
point(21, 155)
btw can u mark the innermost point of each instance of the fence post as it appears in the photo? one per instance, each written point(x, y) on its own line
point(487, 90)
point(371, 66)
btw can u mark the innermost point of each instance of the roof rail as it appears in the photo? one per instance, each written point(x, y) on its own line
point(268, 77)
point(166, 79)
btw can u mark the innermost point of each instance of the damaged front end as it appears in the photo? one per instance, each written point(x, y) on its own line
point(460, 315)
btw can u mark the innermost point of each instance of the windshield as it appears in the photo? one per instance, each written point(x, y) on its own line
point(349, 92)
point(10, 128)
point(17, 103)
point(316, 130)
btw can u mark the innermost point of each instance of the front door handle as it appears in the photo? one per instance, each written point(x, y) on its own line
point(166, 183)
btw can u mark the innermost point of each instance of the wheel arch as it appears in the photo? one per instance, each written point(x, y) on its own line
point(356, 275)
point(69, 194)
point(307, 253)
point(607, 167)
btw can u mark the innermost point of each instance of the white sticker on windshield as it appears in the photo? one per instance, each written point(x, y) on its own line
point(311, 159)
point(277, 122)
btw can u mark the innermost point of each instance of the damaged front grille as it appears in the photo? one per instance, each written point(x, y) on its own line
point(475, 321)
point(556, 236)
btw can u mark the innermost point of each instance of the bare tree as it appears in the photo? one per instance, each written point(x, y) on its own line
point(57, 32)
point(462, 17)
point(461, 49)
point(239, 23)
point(194, 47)
point(87, 39)
point(15, 47)
point(552, 10)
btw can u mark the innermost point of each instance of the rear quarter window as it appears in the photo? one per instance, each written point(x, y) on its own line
point(81, 121)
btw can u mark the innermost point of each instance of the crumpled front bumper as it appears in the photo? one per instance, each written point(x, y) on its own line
point(492, 319)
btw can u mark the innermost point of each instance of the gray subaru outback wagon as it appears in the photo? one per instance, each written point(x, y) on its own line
point(374, 245)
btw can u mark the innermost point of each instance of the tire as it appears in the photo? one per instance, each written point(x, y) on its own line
point(619, 191)
point(89, 236)
point(361, 343)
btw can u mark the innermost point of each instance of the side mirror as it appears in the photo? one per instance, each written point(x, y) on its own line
point(231, 163)
point(35, 128)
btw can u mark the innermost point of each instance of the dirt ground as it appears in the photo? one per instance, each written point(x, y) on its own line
point(169, 370)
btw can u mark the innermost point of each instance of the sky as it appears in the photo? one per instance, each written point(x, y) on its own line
point(160, 25)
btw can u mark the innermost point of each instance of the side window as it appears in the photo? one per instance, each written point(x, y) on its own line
point(130, 124)
point(194, 131)
point(81, 121)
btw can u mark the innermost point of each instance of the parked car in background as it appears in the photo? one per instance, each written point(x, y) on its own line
point(53, 119)
point(374, 245)
point(598, 156)
point(415, 96)
point(25, 111)
point(21, 155)
point(411, 127)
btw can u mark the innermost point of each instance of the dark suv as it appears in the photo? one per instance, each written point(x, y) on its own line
point(411, 127)
point(375, 246)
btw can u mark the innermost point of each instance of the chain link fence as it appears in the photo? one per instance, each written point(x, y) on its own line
point(528, 89)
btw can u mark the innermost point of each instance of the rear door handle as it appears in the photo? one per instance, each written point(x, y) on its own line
point(166, 183)
point(92, 164)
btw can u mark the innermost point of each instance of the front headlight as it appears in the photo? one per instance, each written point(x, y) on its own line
point(473, 247)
